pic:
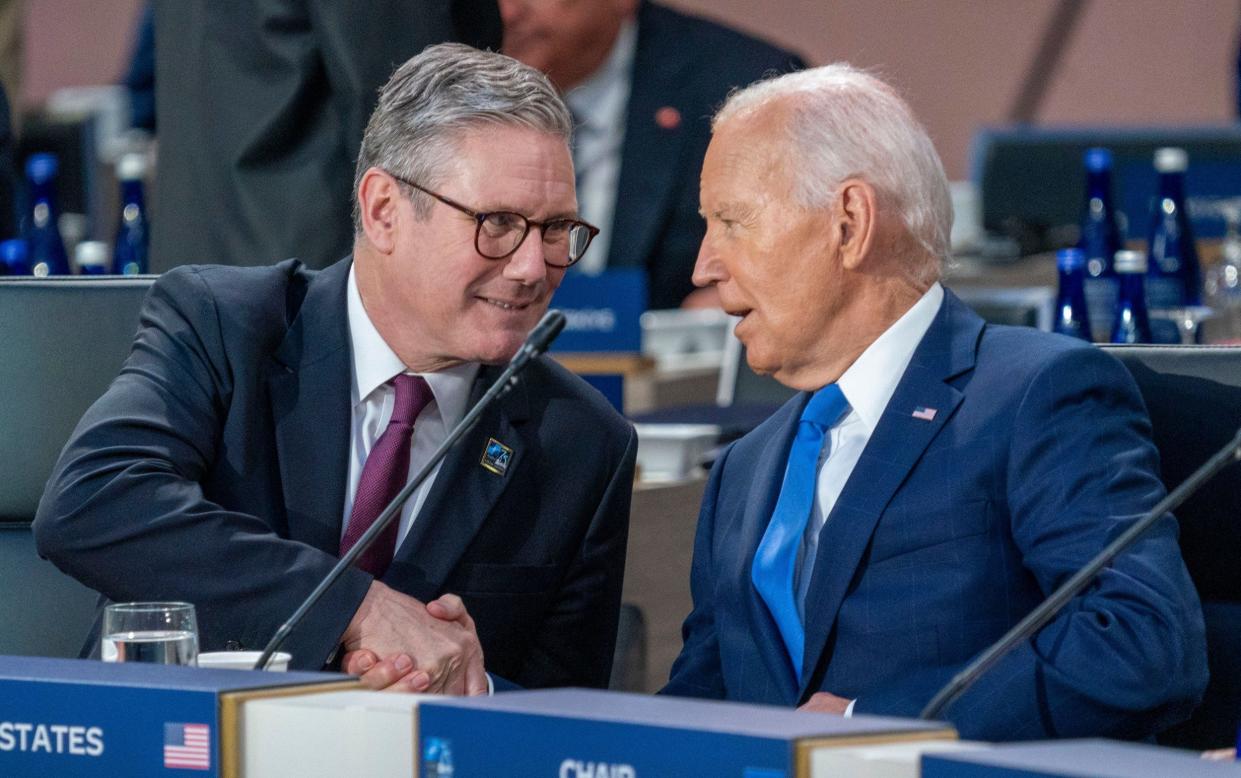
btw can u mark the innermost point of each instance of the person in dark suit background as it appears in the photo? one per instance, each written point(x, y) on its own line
point(936, 477)
point(258, 425)
point(642, 81)
point(261, 106)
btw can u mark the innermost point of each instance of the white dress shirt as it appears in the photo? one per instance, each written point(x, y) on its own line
point(867, 385)
point(599, 107)
point(372, 397)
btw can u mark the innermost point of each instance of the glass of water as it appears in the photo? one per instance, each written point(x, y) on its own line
point(164, 633)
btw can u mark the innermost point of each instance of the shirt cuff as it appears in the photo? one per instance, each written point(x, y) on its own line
point(848, 710)
point(491, 688)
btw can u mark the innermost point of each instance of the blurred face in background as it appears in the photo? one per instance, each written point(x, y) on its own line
point(566, 39)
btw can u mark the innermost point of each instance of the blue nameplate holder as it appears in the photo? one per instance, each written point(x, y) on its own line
point(603, 314)
point(78, 717)
point(580, 732)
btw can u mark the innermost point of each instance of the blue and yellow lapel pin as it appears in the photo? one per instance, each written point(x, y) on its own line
point(496, 456)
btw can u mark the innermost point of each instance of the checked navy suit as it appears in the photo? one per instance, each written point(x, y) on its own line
point(948, 531)
point(214, 470)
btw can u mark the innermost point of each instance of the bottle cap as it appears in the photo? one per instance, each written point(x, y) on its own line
point(131, 167)
point(1171, 159)
point(1098, 159)
point(1127, 261)
point(42, 167)
point(13, 251)
point(91, 253)
point(1070, 259)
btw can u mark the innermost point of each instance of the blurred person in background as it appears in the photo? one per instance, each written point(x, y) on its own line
point(642, 81)
point(261, 105)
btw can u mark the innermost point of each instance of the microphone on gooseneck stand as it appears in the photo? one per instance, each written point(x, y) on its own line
point(1049, 608)
point(536, 343)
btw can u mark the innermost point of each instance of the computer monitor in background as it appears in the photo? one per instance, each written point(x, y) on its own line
point(1031, 180)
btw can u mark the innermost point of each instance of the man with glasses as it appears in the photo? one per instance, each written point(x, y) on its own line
point(267, 415)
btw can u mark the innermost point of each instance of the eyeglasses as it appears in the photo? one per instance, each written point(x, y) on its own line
point(499, 234)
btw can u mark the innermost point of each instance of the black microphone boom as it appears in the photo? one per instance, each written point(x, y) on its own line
point(1048, 609)
point(536, 343)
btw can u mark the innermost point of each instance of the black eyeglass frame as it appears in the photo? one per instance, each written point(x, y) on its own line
point(482, 216)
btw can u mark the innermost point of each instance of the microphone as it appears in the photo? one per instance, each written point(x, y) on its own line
point(1050, 607)
point(536, 343)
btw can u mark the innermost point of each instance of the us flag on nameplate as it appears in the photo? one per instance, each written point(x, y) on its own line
point(924, 413)
point(187, 746)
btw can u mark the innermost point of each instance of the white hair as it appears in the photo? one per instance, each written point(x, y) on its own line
point(844, 123)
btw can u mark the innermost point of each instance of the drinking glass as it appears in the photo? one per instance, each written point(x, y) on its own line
point(163, 633)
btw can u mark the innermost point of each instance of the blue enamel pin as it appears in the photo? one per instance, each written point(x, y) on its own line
point(496, 456)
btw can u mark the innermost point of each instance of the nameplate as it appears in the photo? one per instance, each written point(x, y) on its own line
point(77, 717)
point(577, 733)
point(1050, 759)
point(602, 312)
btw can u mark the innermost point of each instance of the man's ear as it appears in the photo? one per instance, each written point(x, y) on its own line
point(378, 196)
point(856, 212)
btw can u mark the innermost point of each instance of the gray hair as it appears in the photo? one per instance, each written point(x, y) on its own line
point(843, 123)
point(432, 100)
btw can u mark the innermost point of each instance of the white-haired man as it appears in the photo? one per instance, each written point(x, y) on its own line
point(935, 478)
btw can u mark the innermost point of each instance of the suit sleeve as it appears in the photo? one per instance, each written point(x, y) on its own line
point(125, 514)
point(1127, 657)
point(697, 671)
point(577, 635)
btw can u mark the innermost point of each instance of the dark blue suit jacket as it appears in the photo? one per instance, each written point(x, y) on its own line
point(951, 530)
point(214, 470)
point(689, 64)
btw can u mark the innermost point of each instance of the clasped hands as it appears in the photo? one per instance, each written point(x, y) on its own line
point(396, 643)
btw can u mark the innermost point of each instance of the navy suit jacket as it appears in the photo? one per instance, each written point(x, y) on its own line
point(690, 65)
point(947, 533)
point(214, 469)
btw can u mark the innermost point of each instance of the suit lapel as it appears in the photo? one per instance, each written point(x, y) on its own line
point(463, 494)
point(308, 385)
point(768, 476)
point(894, 449)
point(650, 153)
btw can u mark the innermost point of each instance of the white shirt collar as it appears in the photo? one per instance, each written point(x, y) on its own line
point(599, 102)
point(375, 363)
point(871, 380)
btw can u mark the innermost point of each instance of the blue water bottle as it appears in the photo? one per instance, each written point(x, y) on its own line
point(1132, 325)
point(14, 257)
point(46, 250)
point(1173, 275)
point(129, 256)
point(1100, 239)
point(1072, 317)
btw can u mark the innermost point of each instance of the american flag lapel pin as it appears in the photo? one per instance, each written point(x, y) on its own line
point(924, 413)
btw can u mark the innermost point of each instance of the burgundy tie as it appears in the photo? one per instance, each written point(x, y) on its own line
point(384, 474)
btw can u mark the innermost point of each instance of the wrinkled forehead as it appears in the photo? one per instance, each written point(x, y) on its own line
point(747, 152)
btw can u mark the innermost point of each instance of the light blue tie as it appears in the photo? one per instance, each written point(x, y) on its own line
point(776, 557)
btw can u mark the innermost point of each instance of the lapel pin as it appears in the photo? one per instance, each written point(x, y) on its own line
point(668, 118)
point(924, 413)
point(496, 456)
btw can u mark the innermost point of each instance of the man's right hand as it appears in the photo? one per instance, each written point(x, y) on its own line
point(441, 643)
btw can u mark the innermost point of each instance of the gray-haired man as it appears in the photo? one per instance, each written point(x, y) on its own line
point(266, 415)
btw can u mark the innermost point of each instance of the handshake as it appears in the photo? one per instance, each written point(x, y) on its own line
point(396, 643)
